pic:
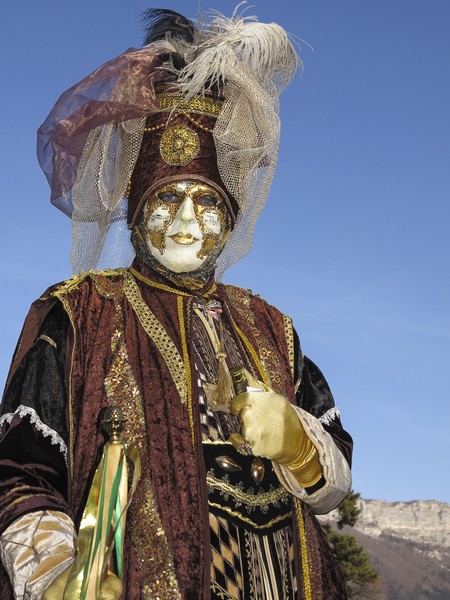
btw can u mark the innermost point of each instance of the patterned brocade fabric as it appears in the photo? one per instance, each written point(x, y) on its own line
point(246, 563)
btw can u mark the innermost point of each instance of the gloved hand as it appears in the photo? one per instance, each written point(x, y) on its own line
point(111, 587)
point(273, 428)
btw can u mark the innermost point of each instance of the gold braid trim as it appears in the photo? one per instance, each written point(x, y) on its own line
point(69, 285)
point(187, 365)
point(201, 105)
point(304, 551)
point(248, 499)
point(252, 353)
point(241, 517)
point(59, 293)
point(47, 339)
point(159, 286)
point(21, 499)
point(266, 350)
point(289, 333)
point(159, 336)
point(168, 288)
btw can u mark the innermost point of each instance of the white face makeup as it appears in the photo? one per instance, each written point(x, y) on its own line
point(184, 222)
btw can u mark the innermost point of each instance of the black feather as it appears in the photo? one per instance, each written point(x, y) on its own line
point(159, 22)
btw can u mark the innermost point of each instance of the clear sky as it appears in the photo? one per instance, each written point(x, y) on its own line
point(354, 241)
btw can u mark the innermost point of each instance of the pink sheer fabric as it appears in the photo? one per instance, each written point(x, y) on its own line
point(119, 90)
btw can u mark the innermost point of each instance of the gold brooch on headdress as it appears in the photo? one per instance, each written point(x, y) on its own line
point(179, 145)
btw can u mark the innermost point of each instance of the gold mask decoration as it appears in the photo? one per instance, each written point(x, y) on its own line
point(185, 221)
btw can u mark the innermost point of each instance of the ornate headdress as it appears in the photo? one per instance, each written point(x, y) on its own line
point(218, 82)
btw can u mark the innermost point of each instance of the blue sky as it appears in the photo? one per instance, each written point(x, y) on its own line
point(354, 241)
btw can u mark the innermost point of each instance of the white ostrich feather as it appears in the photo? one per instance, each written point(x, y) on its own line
point(264, 50)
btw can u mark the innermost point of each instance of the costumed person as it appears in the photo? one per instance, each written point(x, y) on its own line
point(179, 140)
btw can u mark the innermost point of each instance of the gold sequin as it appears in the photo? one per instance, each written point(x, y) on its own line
point(107, 286)
point(288, 330)
point(149, 539)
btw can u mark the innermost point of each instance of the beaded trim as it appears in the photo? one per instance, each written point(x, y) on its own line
point(188, 117)
point(288, 330)
point(201, 105)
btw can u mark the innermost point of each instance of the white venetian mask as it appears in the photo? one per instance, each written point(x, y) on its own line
point(184, 223)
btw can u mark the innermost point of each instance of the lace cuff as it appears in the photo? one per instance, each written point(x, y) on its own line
point(336, 472)
point(35, 549)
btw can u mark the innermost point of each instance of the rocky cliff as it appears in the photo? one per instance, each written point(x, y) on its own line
point(408, 543)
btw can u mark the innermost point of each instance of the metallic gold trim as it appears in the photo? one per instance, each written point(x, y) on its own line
point(220, 592)
point(179, 145)
point(49, 340)
point(59, 293)
point(248, 499)
point(159, 336)
point(187, 365)
point(167, 288)
point(18, 500)
point(218, 443)
point(252, 352)
point(149, 538)
point(107, 287)
point(69, 284)
point(201, 105)
point(304, 551)
point(197, 124)
point(19, 488)
point(241, 517)
point(288, 330)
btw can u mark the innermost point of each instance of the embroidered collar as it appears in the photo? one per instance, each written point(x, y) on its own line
point(187, 286)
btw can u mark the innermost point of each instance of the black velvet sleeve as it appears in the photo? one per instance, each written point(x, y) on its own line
point(33, 431)
point(314, 396)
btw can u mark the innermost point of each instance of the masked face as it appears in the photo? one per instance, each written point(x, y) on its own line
point(185, 223)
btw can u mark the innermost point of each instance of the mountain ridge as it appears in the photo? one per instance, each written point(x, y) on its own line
point(408, 543)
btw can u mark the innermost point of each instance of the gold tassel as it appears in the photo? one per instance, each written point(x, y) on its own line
point(224, 391)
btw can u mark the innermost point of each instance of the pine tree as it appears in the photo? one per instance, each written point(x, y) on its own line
point(362, 579)
point(349, 510)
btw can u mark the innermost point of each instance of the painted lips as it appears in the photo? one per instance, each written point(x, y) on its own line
point(183, 238)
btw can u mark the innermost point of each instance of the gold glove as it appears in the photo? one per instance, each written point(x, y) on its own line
point(111, 588)
point(273, 428)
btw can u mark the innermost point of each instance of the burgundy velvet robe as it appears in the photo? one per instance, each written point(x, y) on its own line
point(173, 440)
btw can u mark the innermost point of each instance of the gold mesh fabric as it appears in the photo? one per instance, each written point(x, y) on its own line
point(107, 162)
